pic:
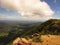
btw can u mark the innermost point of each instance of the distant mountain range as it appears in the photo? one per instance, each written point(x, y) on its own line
point(18, 22)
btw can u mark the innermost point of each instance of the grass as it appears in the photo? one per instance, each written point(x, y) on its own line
point(3, 34)
point(37, 39)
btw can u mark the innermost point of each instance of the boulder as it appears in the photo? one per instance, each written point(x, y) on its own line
point(20, 41)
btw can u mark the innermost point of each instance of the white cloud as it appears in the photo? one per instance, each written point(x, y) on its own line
point(31, 9)
point(11, 17)
point(8, 17)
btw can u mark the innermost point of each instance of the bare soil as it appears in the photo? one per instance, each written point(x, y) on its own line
point(48, 40)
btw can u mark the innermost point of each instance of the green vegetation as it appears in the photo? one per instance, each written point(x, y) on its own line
point(51, 26)
point(9, 32)
point(3, 34)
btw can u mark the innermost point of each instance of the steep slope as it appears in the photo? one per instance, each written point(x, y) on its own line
point(51, 26)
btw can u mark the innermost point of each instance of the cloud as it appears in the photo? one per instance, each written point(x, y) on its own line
point(32, 9)
point(12, 17)
point(2, 16)
point(8, 17)
point(5, 17)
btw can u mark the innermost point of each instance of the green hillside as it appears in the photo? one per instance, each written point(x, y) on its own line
point(51, 26)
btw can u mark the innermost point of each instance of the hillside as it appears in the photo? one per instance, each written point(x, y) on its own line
point(51, 27)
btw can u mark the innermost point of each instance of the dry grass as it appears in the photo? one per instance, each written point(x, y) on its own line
point(49, 40)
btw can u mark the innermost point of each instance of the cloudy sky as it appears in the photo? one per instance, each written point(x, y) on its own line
point(29, 9)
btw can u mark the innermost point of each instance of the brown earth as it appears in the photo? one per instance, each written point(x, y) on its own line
point(47, 40)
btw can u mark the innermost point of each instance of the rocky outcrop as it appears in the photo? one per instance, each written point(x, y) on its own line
point(20, 41)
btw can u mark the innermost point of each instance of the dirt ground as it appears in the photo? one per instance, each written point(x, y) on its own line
point(46, 40)
point(49, 40)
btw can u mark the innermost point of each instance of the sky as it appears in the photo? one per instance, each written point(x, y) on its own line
point(29, 9)
point(55, 5)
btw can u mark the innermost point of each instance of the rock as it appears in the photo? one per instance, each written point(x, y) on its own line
point(20, 41)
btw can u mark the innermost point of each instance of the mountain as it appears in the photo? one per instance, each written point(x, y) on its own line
point(51, 27)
